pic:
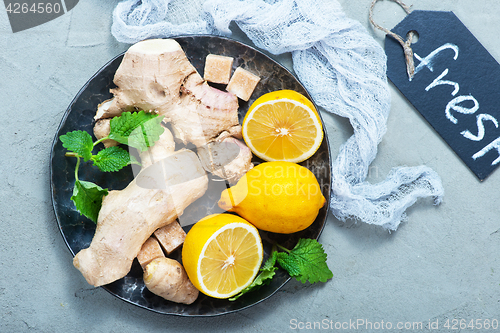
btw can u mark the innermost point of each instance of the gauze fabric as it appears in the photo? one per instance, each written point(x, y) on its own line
point(339, 63)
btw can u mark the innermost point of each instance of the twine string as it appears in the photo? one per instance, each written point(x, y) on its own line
point(408, 52)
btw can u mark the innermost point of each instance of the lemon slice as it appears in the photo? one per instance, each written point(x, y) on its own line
point(222, 254)
point(283, 125)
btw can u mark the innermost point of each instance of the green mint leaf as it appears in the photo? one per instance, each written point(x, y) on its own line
point(306, 262)
point(262, 279)
point(270, 262)
point(138, 129)
point(113, 159)
point(87, 197)
point(265, 276)
point(78, 142)
point(289, 264)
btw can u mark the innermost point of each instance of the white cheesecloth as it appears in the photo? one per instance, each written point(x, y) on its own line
point(342, 67)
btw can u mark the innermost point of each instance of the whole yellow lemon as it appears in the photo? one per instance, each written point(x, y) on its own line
point(281, 197)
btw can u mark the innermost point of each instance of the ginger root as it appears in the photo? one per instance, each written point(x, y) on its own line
point(228, 159)
point(167, 278)
point(101, 130)
point(156, 76)
point(170, 237)
point(150, 250)
point(128, 217)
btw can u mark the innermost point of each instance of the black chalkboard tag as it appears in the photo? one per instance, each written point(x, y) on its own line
point(456, 85)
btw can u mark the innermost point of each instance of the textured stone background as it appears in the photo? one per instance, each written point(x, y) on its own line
point(442, 264)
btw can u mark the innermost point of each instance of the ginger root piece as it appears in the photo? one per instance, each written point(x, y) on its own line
point(242, 83)
point(104, 112)
point(218, 68)
point(156, 76)
point(229, 159)
point(235, 131)
point(170, 237)
point(203, 113)
point(163, 276)
point(150, 250)
point(148, 78)
point(101, 130)
point(128, 217)
point(167, 278)
point(162, 149)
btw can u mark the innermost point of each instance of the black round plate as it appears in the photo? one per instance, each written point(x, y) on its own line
point(78, 231)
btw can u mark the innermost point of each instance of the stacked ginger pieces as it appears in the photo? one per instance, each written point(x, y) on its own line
point(156, 76)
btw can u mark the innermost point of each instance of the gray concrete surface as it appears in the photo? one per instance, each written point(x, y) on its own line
point(441, 265)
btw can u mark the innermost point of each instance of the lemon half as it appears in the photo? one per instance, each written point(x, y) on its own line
point(222, 254)
point(283, 125)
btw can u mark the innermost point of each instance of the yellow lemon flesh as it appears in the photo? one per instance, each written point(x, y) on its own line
point(282, 126)
point(280, 197)
point(222, 254)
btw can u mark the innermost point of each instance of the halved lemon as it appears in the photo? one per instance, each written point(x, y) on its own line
point(283, 125)
point(222, 254)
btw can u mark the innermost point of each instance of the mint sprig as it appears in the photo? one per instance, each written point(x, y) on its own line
point(139, 130)
point(306, 262)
